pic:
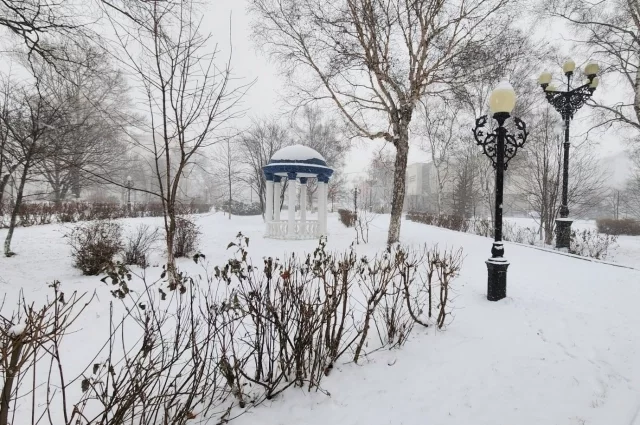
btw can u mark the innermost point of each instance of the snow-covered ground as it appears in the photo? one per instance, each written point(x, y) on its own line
point(626, 250)
point(563, 348)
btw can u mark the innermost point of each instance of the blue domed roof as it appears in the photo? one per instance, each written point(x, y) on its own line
point(300, 160)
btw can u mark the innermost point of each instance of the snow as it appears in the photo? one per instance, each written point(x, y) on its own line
point(296, 153)
point(17, 330)
point(562, 348)
point(625, 252)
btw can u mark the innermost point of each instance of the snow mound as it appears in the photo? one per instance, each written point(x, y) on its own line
point(296, 153)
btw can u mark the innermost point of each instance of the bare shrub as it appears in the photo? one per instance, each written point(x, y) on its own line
point(626, 226)
point(186, 238)
point(347, 217)
point(481, 227)
point(514, 233)
point(236, 336)
point(590, 243)
point(139, 244)
point(28, 335)
point(39, 213)
point(362, 223)
point(451, 222)
point(94, 245)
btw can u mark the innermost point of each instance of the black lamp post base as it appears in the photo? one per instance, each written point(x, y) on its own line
point(497, 284)
point(563, 233)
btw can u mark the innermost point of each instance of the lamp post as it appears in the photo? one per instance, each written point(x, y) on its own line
point(567, 104)
point(129, 186)
point(499, 146)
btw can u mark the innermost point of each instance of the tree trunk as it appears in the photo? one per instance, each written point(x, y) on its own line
point(399, 185)
point(3, 183)
point(14, 212)
point(230, 197)
point(636, 98)
point(171, 260)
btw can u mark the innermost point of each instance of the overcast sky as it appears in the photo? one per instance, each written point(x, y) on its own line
point(264, 97)
point(228, 20)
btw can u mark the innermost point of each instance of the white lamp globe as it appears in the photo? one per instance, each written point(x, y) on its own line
point(569, 66)
point(592, 68)
point(502, 99)
point(545, 78)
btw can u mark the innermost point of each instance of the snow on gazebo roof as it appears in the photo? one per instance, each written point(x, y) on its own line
point(298, 160)
point(298, 153)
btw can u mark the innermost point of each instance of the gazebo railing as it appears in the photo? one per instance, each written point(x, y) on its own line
point(308, 229)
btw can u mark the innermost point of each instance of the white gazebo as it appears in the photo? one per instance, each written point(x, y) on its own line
point(296, 163)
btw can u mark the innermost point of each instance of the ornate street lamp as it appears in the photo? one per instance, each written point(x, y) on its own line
point(500, 146)
point(567, 104)
point(129, 187)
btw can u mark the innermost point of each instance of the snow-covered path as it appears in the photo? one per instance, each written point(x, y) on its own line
point(563, 348)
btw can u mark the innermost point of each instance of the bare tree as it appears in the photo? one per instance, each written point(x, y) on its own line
point(466, 188)
point(380, 180)
point(258, 144)
point(188, 95)
point(29, 116)
point(337, 188)
point(440, 130)
point(375, 60)
point(632, 189)
point(539, 174)
point(314, 129)
point(45, 28)
point(227, 169)
point(540, 177)
point(88, 139)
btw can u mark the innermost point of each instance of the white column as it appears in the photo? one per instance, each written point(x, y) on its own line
point(322, 207)
point(277, 189)
point(291, 226)
point(303, 203)
point(325, 207)
point(268, 211)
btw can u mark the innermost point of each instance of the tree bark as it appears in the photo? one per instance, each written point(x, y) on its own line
point(399, 185)
point(16, 209)
point(636, 97)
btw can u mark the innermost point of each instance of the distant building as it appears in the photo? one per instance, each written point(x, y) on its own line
point(422, 194)
point(422, 189)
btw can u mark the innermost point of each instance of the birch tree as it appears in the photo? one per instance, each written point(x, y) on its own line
point(375, 59)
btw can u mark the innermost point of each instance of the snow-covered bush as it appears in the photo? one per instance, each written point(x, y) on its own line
point(514, 233)
point(185, 241)
point(347, 217)
point(94, 245)
point(241, 208)
point(590, 243)
point(38, 213)
point(139, 244)
point(451, 222)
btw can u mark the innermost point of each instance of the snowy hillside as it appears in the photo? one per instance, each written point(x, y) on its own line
point(561, 349)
